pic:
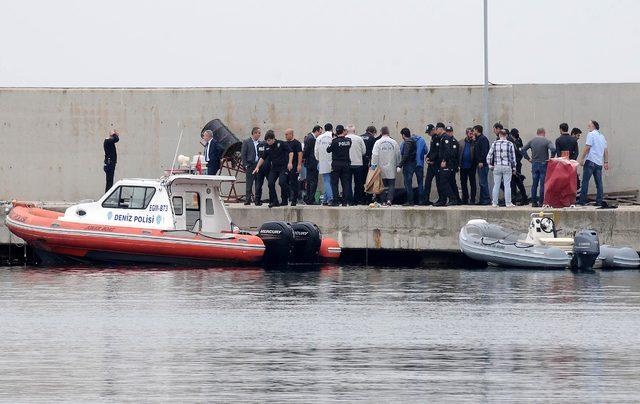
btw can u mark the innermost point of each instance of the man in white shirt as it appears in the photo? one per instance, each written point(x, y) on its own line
point(386, 154)
point(324, 162)
point(356, 152)
point(595, 155)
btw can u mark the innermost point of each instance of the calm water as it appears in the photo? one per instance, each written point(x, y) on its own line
point(335, 334)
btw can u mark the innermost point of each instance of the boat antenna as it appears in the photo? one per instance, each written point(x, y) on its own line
point(175, 156)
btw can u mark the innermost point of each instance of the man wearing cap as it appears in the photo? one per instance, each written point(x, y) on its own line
point(448, 163)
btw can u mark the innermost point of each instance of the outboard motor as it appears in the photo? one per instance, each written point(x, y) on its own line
point(306, 242)
point(586, 248)
point(278, 240)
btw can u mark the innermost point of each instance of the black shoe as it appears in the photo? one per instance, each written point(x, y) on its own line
point(334, 204)
point(453, 203)
point(535, 205)
point(465, 202)
point(284, 203)
point(344, 204)
point(258, 203)
point(293, 203)
point(273, 205)
point(247, 203)
point(440, 204)
point(472, 203)
point(428, 203)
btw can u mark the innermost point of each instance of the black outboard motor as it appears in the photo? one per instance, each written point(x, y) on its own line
point(306, 242)
point(278, 240)
point(586, 248)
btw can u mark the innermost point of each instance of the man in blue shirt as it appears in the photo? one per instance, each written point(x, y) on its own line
point(421, 152)
point(594, 156)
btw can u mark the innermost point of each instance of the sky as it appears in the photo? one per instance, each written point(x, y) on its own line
point(252, 43)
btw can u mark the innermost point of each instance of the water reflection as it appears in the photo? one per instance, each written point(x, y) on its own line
point(333, 333)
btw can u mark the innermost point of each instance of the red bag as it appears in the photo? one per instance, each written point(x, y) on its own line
point(560, 183)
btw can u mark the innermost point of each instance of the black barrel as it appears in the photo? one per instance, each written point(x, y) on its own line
point(306, 242)
point(278, 240)
point(224, 136)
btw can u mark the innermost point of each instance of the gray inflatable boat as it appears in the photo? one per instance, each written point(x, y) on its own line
point(541, 247)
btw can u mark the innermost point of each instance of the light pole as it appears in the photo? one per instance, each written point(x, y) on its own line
point(485, 89)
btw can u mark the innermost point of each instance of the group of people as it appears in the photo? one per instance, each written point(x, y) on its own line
point(341, 159)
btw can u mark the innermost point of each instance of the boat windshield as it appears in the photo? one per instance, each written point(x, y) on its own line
point(129, 197)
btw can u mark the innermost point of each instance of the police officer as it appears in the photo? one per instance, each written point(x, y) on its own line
point(263, 172)
point(280, 157)
point(448, 156)
point(340, 166)
point(432, 164)
point(110, 157)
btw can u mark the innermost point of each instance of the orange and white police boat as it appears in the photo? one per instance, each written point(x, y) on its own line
point(179, 219)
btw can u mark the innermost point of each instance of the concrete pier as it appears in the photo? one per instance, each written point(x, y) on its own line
point(424, 228)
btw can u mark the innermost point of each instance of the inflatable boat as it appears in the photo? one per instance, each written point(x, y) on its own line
point(541, 247)
point(180, 219)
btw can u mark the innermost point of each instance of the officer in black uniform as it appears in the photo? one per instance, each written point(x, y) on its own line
point(263, 172)
point(341, 166)
point(433, 161)
point(448, 156)
point(110, 157)
point(280, 157)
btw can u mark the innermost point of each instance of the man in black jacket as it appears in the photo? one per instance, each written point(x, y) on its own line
point(567, 144)
point(432, 164)
point(293, 190)
point(263, 172)
point(280, 158)
point(482, 149)
point(370, 138)
point(110, 157)
point(408, 163)
point(518, 190)
point(311, 164)
point(468, 163)
point(212, 152)
point(448, 166)
point(250, 157)
point(340, 166)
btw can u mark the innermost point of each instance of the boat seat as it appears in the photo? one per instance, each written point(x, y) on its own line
point(564, 243)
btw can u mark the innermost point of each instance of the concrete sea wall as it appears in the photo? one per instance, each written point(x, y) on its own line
point(426, 229)
point(51, 139)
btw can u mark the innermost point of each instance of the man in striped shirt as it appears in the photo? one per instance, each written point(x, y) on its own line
point(502, 160)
